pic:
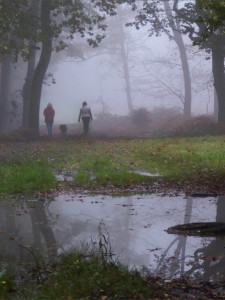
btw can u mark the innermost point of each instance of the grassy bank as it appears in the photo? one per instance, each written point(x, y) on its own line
point(25, 177)
point(79, 277)
point(103, 162)
point(82, 276)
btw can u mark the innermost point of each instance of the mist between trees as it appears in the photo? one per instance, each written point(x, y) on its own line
point(122, 57)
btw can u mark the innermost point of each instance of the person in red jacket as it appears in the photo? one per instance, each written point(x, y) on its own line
point(49, 114)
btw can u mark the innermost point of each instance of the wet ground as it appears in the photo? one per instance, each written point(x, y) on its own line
point(133, 228)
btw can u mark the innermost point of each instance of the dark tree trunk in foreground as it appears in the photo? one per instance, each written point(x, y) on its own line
point(42, 66)
point(216, 109)
point(219, 81)
point(4, 89)
point(27, 89)
point(34, 11)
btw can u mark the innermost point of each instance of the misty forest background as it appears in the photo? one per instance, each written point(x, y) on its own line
point(151, 68)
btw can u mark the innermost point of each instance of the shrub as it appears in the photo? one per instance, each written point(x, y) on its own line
point(199, 126)
point(140, 117)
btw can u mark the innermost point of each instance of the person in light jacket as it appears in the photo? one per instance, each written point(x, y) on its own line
point(49, 114)
point(85, 114)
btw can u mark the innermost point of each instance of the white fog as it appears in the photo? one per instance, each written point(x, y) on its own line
point(99, 83)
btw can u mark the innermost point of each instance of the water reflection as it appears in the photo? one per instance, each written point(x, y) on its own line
point(210, 259)
point(177, 262)
point(136, 226)
point(25, 236)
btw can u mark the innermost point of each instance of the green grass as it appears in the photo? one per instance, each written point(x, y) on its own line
point(77, 277)
point(7, 286)
point(111, 161)
point(25, 177)
point(172, 158)
point(110, 177)
point(82, 178)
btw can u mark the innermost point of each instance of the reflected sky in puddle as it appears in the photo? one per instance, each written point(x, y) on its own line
point(136, 226)
point(144, 173)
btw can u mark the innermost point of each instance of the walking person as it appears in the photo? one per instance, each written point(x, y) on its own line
point(49, 114)
point(85, 114)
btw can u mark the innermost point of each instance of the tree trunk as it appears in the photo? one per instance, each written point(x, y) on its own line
point(4, 89)
point(126, 71)
point(34, 10)
point(215, 105)
point(127, 79)
point(27, 90)
point(186, 73)
point(177, 37)
point(219, 81)
point(42, 66)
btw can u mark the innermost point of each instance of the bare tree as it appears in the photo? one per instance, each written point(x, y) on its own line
point(124, 58)
point(161, 18)
point(178, 39)
point(117, 45)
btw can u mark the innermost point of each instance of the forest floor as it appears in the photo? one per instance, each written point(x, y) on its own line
point(191, 165)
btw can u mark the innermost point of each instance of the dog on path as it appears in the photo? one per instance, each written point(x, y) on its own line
point(63, 128)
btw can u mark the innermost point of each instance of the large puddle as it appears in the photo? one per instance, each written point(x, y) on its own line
point(134, 227)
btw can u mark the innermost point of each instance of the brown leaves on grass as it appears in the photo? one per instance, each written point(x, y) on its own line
point(188, 289)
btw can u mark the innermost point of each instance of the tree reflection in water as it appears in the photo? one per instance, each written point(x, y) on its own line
point(208, 262)
point(174, 266)
point(24, 229)
point(136, 227)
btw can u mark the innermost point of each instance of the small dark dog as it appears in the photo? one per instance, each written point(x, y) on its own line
point(63, 128)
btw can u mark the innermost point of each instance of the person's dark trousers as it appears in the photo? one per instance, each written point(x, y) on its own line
point(86, 121)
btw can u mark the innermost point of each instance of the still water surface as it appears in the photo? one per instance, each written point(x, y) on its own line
point(134, 226)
